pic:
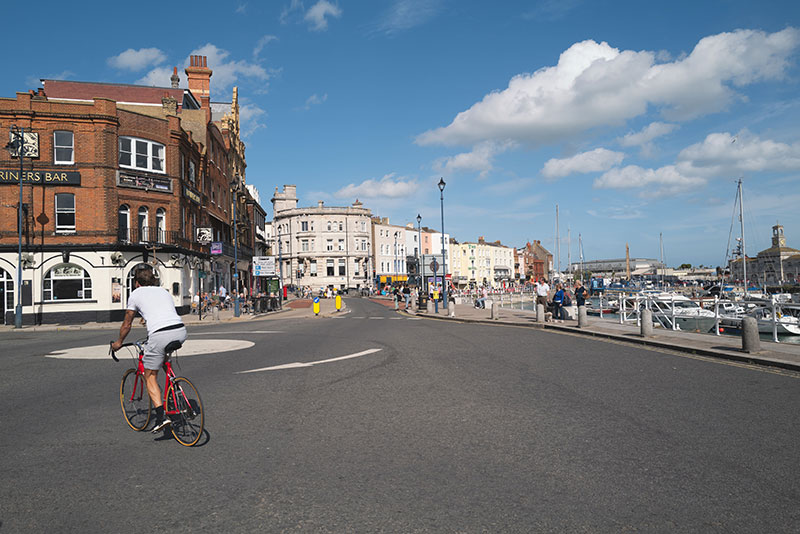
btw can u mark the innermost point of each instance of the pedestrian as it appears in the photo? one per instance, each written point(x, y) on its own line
point(558, 301)
point(542, 292)
point(407, 295)
point(580, 293)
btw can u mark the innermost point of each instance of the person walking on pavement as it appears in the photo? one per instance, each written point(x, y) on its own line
point(157, 308)
point(407, 295)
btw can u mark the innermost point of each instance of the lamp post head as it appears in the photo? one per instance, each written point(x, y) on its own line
point(419, 219)
point(441, 184)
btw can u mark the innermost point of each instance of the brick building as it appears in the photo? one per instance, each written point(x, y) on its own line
point(115, 176)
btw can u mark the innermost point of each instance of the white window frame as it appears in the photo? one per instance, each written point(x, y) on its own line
point(65, 229)
point(124, 210)
point(152, 154)
point(56, 147)
point(66, 271)
point(161, 225)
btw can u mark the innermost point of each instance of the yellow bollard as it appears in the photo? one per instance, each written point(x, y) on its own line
point(338, 303)
point(316, 305)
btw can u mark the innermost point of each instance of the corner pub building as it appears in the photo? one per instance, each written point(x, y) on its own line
point(113, 177)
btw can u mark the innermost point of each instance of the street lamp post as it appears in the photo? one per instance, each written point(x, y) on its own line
point(419, 250)
point(235, 190)
point(19, 144)
point(441, 185)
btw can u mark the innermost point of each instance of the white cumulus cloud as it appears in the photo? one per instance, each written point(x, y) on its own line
point(726, 155)
point(667, 180)
point(599, 159)
point(478, 160)
point(157, 77)
point(314, 100)
point(226, 72)
point(135, 60)
point(594, 84)
point(316, 15)
point(390, 186)
point(647, 134)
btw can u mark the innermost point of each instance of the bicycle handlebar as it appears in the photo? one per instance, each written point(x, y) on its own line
point(111, 351)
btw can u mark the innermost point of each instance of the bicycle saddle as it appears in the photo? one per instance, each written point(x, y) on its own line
point(172, 346)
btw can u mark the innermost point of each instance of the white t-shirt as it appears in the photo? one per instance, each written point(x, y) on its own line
point(155, 306)
point(543, 289)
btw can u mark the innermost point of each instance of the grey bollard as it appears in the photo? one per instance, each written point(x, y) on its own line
point(396, 304)
point(540, 313)
point(647, 323)
point(494, 311)
point(429, 308)
point(751, 342)
point(583, 321)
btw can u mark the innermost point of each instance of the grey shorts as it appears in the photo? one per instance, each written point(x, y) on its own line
point(154, 348)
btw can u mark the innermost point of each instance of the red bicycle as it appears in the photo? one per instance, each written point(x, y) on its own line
point(181, 400)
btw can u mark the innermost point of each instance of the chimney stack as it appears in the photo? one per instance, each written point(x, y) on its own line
point(199, 80)
point(174, 78)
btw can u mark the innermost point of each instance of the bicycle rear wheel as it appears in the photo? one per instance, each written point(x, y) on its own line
point(134, 400)
point(185, 409)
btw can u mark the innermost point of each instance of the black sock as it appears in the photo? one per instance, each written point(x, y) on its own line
point(160, 413)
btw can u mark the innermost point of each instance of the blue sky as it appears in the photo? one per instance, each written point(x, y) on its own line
point(637, 118)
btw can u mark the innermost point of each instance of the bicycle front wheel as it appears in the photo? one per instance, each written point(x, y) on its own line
point(185, 409)
point(134, 400)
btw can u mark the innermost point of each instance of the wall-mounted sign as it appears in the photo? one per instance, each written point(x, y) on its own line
point(31, 145)
point(216, 247)
point(148, 183)
point(191, 194)
point(40, 177)
point(204, 236)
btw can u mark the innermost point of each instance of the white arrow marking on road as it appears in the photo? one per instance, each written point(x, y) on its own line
point(237, 333)
point(297, 365)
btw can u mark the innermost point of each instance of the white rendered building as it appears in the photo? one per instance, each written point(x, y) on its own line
point(389, 251)
point(321, 246)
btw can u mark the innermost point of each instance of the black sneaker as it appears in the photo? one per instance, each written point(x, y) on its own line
point(161, 425)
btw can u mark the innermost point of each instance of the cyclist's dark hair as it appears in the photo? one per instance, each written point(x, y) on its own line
point(145, 277)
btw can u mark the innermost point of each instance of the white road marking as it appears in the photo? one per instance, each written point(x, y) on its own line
point(190, 348)
point(375, 317)
point(297, 365)
point(237, 332)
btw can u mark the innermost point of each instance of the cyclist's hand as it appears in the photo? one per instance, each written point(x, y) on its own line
point(116, 345)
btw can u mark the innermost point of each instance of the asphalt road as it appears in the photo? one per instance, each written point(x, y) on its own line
point(447, 428)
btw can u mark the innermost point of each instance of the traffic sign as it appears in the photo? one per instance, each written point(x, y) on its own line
point(434, 265)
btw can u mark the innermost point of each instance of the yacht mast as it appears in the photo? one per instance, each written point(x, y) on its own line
point(558, 246)
point(661, 267)
point(741, 226)
point(580, 253)
point(569, 250)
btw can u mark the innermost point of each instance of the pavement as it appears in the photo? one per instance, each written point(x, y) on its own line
point(729, 347)
point(780, 355)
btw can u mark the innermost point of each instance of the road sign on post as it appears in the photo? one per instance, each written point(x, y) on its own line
point(264, 266)
point(434, 265)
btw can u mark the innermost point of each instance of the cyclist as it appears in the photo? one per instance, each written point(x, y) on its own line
point(156, 307)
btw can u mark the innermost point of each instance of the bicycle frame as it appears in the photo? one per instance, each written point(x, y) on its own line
point(168, 379)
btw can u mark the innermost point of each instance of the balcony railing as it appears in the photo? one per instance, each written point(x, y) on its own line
point(151, 235)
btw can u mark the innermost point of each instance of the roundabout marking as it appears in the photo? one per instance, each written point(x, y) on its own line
point(192, 347)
